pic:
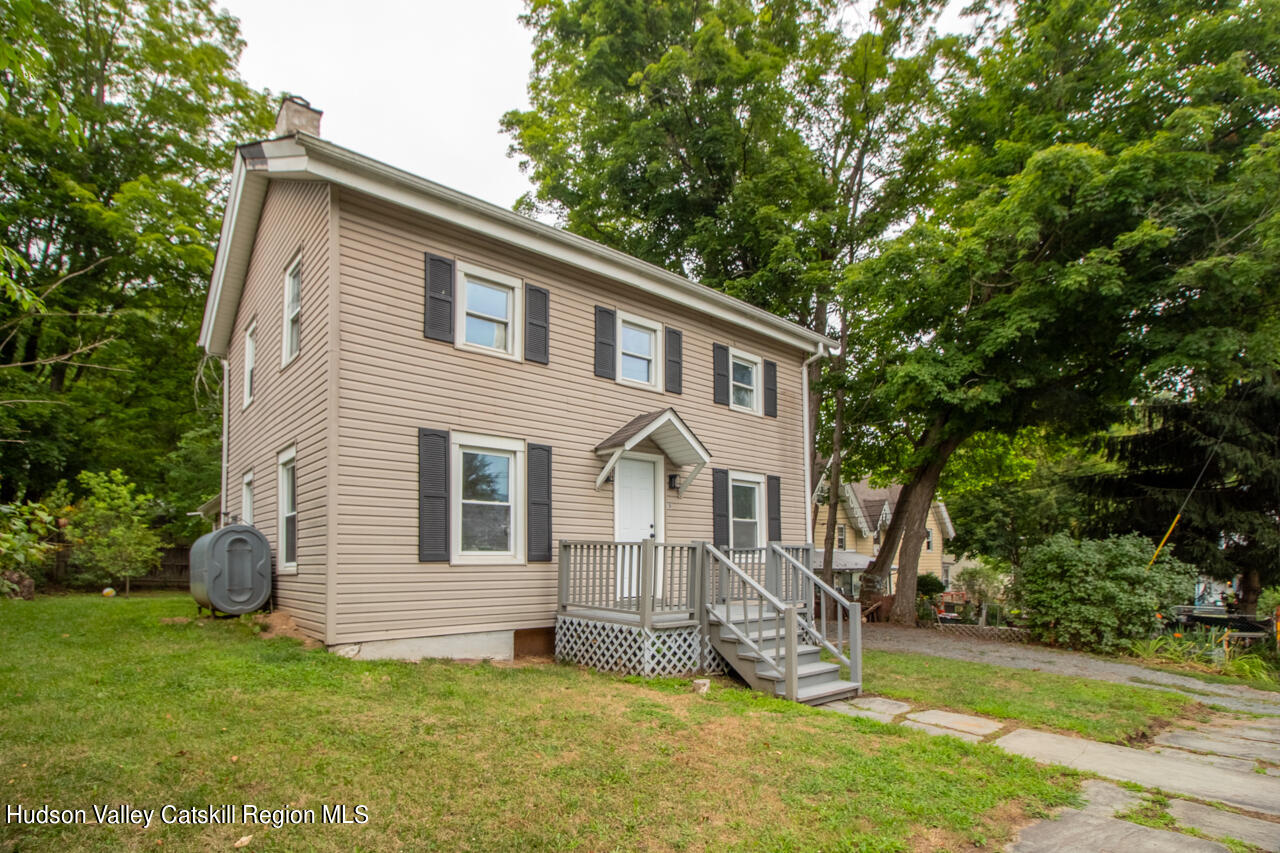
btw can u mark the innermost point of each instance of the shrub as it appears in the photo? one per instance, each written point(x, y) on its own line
point(25, 534)
point(109, 531)
point(1098, 594)
point(930, 585)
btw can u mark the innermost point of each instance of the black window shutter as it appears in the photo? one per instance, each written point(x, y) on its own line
point(606, 343)
point(437, 322)
point(720, 507)
point(770, 389)
point(720, 365)
point(539, 495)
point(537, 324)
point(773, 486)
point(675, 361)
point(433, 495)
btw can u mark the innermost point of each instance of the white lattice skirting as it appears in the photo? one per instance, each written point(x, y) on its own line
point(632, 650)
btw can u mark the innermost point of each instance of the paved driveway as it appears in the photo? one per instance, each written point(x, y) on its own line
point(893, 638)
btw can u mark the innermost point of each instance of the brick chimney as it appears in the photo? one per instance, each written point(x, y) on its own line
point(297, 114)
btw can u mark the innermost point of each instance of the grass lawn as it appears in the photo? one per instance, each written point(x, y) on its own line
point(103, 703)
point(1100, 710)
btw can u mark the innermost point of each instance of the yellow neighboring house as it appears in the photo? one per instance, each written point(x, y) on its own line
point(863, 514)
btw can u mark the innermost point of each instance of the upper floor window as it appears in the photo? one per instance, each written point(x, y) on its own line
point(250, 355)
point(489, 316)
point(287, 511)
point(744, 382)
point(928, 539)
point(840, 540)
point(292, 338)
point(639, 351)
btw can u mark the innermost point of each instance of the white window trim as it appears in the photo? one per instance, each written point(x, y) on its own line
point(758, 374)
point(250, 362)
point(762, 511)
point(515, 327)
point(286, 357)
point(246, 498)
point(289, 454)
point(656, 374)
point(459, 441)
point(842, 540)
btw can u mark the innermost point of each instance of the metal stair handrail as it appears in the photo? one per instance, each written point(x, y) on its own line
point(817, 594)
point(784, 620)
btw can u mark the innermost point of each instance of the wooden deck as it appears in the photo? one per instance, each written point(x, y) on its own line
point(655, 608)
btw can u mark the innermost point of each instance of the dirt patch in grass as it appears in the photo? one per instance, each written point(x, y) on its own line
point(281, 624)
point(174, 620)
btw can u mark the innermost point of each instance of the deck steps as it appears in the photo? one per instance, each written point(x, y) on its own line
point(817, 681)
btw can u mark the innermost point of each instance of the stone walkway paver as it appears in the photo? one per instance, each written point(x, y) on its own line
point(935, 730)
point(1251, 791)
point(1095, 828)
point(1220, 824)
point(979, 726)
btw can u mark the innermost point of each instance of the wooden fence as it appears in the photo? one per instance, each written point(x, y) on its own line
point(174, 571)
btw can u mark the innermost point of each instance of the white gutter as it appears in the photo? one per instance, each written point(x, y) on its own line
point(808, 439)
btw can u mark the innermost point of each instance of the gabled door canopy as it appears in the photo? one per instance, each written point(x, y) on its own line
point(668, 431)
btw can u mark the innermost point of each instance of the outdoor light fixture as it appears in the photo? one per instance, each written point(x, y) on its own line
point(673, 481)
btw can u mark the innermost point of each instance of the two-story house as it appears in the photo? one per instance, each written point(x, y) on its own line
point(426, 394)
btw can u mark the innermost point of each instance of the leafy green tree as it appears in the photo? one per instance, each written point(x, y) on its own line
point(1006, 494)
point(111, 215)
point(110, 531)
point(759, 148)
point(1228, 451)
point(1098, 594)
point(1110, 231)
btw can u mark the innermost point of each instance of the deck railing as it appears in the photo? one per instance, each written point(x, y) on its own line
point(640, 580)
point(832, 620)
point(759, 620)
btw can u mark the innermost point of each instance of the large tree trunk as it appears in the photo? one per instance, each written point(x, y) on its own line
point(925, 488)
point(1250, 591)
point(873, 579)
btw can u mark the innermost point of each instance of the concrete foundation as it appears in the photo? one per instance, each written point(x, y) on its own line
point(493, 645)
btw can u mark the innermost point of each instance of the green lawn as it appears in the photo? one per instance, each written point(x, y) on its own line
point(104, 703)
point(1100, 710)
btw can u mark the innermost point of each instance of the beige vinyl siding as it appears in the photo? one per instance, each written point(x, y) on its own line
point(289, 404)
point(930, 561)
point(393, 381)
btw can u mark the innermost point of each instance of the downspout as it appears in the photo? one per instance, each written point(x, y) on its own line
point(808, 440)
point(226, 393)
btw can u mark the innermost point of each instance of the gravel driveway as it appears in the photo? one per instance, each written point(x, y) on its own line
point(893, 638)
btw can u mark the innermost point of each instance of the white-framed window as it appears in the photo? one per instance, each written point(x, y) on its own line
point(928, 539)
point(487, 493)
point(840, 540)
point(489, 311)
point(746, 510)
point(639, 352)
point(250, 357)
point(246, 499)
point(745, 382)
point(291, 337)
point(287, 511)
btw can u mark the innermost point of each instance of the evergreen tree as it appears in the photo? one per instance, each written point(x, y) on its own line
point(1230, 524)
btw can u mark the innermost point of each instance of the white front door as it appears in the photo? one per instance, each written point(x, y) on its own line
point(634, 517)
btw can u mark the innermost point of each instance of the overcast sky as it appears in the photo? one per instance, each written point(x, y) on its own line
point(420, 85)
